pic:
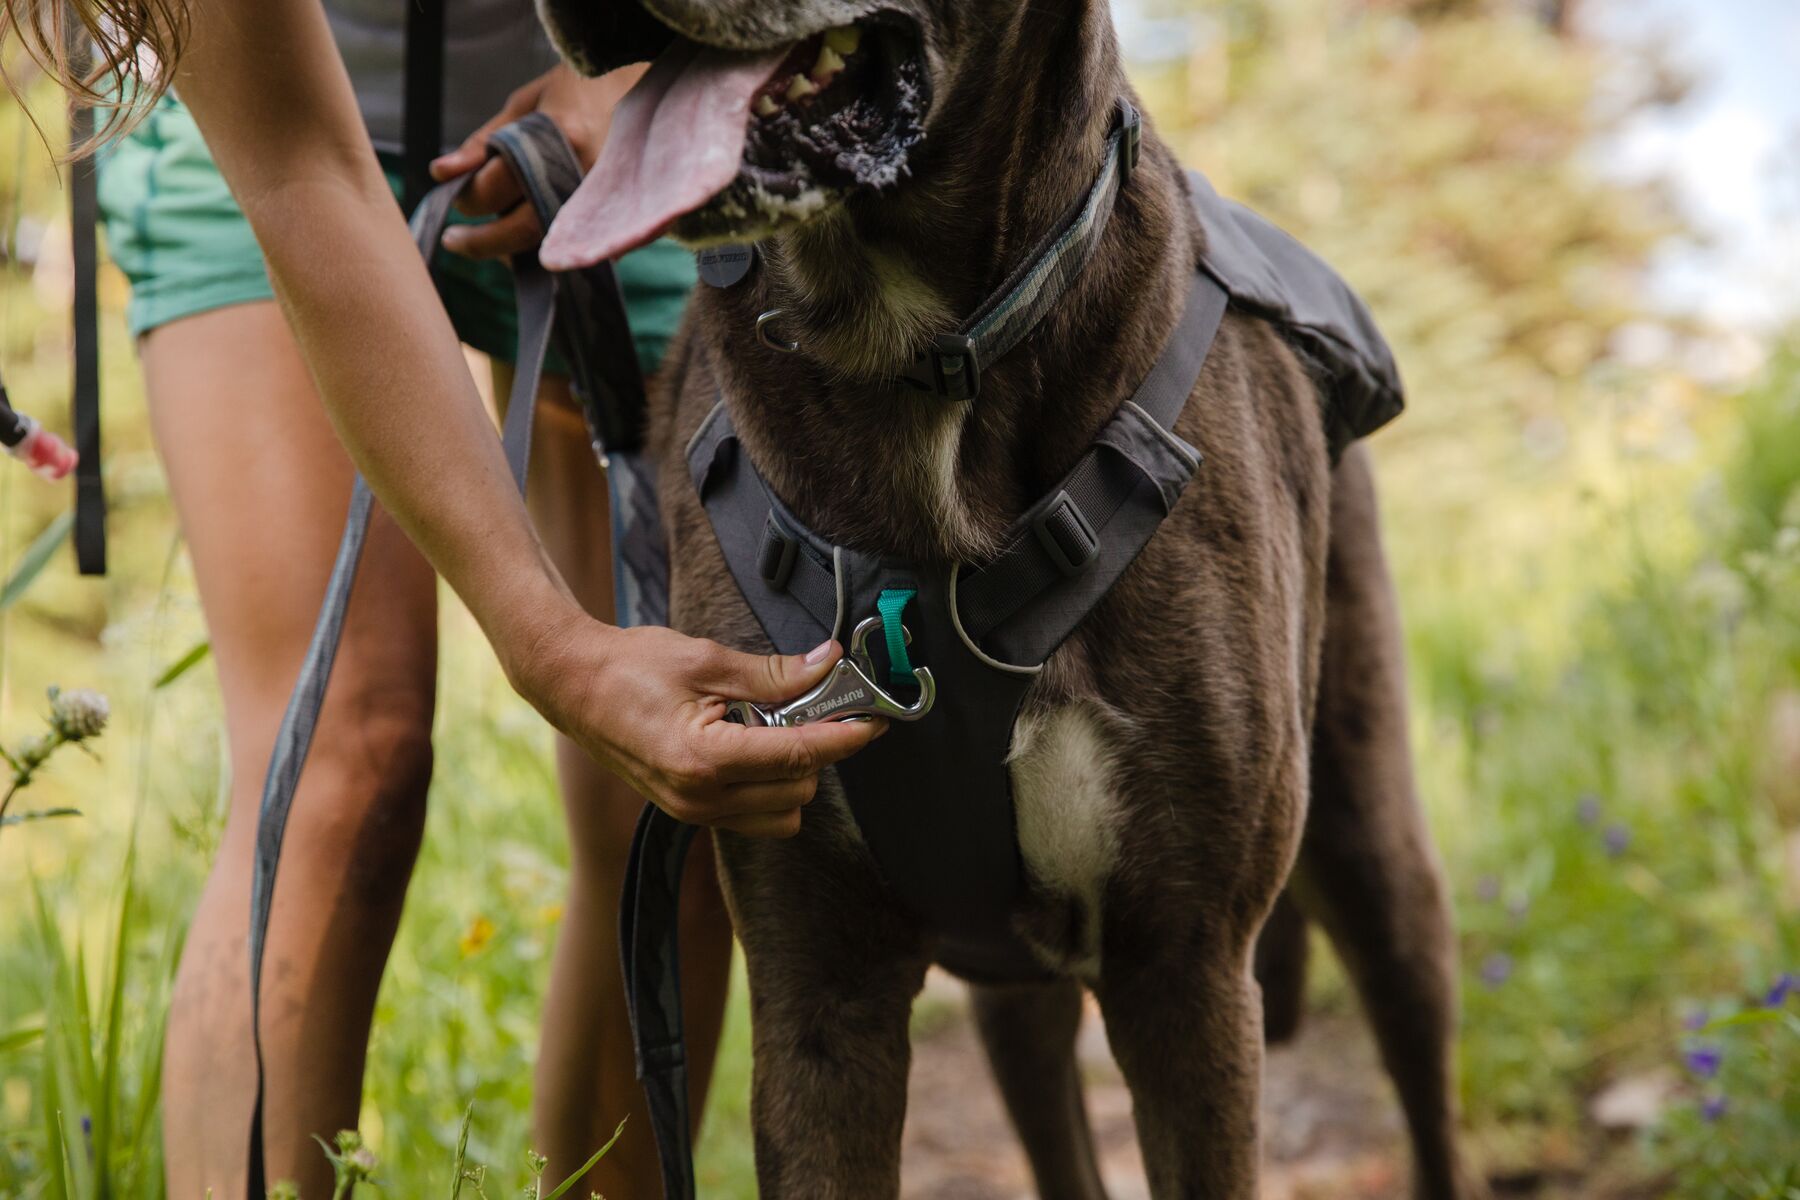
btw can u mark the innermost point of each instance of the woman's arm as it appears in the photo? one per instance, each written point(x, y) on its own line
point(269, 91)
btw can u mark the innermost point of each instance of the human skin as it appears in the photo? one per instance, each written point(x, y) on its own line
point(260, 557)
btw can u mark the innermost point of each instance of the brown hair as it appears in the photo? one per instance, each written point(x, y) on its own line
point(114, 55)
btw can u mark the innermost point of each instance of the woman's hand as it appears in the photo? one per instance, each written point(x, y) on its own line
point(649, 704)
point(581, 108)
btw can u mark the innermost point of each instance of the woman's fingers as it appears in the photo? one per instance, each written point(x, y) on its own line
point(515, 233)
point(495, 189)
point(769, 825)
point(747, 755)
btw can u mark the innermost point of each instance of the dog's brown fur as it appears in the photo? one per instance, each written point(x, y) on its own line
point(1249, 657)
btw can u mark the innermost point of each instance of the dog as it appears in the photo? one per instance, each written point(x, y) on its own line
point(1224, 738)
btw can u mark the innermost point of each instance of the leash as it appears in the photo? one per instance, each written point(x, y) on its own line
point(84, 394)
point(549, 307)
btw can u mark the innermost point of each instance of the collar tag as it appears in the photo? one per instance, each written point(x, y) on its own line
point(726, 266)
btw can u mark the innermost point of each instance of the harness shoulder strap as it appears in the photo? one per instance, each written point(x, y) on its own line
point(1068, 550)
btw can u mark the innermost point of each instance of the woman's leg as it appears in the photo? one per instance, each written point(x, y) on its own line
point(586, 1082)
point(261, 486)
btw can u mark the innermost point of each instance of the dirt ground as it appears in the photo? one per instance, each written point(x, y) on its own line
point(1331, 1130)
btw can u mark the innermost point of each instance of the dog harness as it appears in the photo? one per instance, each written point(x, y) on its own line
point(933, 798)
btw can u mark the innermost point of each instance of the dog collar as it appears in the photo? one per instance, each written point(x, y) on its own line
point(951, 365)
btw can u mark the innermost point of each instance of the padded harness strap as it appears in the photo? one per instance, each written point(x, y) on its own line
point(529, 146)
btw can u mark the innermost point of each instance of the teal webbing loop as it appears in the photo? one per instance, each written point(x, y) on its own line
point(890, 604)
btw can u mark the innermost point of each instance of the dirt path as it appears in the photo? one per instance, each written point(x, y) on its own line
point(1331, 1129)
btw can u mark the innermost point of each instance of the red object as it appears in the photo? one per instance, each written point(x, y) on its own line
point(46, 454)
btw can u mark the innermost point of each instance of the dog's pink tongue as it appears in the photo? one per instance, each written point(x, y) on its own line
point(676, 141)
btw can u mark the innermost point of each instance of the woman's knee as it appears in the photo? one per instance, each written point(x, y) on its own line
point(366, 780)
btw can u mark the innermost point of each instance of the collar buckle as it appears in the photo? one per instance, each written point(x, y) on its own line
point(954, 363)
point(1131, 140)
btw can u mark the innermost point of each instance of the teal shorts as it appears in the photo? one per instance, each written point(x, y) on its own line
point(173, 228)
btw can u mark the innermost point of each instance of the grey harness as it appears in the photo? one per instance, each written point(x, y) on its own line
point(933, 798)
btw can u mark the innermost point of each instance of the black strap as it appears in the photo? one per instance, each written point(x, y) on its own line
point(650, 945)
point(952, 365)
point(527, 146)
point(84, 398)
point(422, 113)
point(1063, 534)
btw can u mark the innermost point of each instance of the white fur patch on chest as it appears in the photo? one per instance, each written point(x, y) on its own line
point(1065, 803)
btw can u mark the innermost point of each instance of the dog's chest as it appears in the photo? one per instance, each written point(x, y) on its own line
point(1064, 773)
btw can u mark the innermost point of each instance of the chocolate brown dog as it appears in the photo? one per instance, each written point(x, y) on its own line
point(1230, 721)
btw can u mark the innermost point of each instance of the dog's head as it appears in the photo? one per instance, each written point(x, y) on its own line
point(760, 115)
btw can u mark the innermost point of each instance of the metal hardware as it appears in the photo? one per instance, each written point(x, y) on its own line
point(767, 336)
point(848, 693)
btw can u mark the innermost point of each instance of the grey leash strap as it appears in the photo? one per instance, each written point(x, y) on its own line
point(527, 145)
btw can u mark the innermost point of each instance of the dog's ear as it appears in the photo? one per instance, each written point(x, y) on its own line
point(595, 38)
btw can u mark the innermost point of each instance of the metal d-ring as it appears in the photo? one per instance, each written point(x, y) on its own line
point(769, 339)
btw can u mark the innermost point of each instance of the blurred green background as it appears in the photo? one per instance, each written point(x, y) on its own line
point(1593, 507)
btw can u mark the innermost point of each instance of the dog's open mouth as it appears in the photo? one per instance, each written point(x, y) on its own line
point(721, 145)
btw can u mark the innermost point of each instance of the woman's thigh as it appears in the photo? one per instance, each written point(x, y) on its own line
point(261, 486)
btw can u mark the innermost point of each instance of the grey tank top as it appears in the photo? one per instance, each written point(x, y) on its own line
point(491, 47)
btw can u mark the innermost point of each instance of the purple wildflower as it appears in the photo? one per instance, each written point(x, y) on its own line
point(1617, 839)
point(1783, 987)
point(1496, 968)
point(1712, 1108)
point(1696, 1020)
point(1703, 1059)
point(1587, 809)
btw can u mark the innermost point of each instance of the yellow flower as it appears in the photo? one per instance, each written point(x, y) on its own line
point(479, 934)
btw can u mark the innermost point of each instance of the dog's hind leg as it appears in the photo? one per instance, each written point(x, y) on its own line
point(1281, 954)
point(1367, 870)
point(1029, 1033)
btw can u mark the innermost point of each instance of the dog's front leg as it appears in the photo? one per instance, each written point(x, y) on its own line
point(833, 968)
point(1187, 1033)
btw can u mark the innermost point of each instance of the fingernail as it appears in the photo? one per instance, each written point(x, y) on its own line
point(818, 654)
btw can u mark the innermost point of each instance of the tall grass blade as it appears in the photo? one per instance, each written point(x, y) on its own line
point(35, 559)
point(183, 665)
point(18, 1039)
point(462, 1152)
point(599, 1154)
point(40, 814)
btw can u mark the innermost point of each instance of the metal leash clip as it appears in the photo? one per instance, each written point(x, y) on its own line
point(848, 693)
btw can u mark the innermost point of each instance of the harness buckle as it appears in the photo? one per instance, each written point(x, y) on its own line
point(955, 366)
point(1066, 536)
point(775, 557)
point(1131, 140)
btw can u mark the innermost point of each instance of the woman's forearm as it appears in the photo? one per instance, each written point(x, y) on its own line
point(400, 394)
point(269, 93)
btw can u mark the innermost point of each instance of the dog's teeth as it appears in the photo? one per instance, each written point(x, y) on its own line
point(766, 106)
point(843, 40)
point(801, 88)
point(829, 64)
